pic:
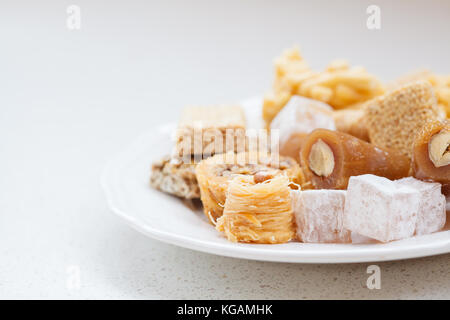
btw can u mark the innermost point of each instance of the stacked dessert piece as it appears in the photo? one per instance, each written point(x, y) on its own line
point(351, 159)
point(201, 132)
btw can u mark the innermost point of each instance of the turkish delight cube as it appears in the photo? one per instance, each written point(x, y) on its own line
point(379, 208)
point(431, 215)
point(319, 216)
point(301, 116)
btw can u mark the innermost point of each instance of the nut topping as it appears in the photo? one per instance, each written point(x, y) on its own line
point(321, 159)
point(439, 149)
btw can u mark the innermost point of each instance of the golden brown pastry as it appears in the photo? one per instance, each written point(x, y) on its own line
point(258, 212)
point(215, 173)
point(394, 119)
point(440, 83)
point(340, 85)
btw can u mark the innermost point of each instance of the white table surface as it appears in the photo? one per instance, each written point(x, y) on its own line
point(69, 100)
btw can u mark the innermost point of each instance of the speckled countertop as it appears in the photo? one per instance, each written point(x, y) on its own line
point(72, 99)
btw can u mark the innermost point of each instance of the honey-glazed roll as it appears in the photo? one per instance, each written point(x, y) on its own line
point(291, 148)
point(330, 158)
point(446, 190)
point(431, 152)
point(215, 173)
point(258, 212)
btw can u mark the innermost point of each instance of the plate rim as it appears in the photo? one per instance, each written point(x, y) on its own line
point(382, 252)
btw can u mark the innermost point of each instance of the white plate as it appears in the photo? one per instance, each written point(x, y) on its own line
point(168, 219)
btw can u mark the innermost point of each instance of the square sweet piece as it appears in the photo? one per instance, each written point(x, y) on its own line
point(301, 116)
point(431, 216)
point(210, 130)
point(380, 209)
point(319, 216)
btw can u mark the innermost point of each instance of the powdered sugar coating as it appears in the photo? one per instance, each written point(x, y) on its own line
point(379, 208)
point(319, 216)
point(302, 115)
point(431, 215)
point(359, 239)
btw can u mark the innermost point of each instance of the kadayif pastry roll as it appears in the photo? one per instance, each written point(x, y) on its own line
point(215, 173)
point(258, 212)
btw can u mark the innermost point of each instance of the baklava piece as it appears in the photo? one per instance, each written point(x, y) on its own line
point(215, 173)
point(258, 211)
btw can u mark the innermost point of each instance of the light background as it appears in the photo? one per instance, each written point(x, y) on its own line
point(69, 100)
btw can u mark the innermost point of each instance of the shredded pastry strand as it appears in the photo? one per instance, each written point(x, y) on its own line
point(258, 212)
point(215, 173)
